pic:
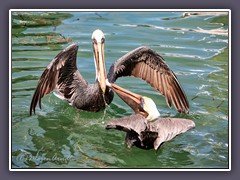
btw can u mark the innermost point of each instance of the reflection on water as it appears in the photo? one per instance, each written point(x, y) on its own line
point(194, 45)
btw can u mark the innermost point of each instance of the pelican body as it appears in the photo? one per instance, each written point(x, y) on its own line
point(63, 76)
point(145, 129)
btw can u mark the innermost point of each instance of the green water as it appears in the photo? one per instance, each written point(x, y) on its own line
point(59, 136)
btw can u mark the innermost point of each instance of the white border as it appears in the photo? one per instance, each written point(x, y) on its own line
point(116, 10)
point(229, 89)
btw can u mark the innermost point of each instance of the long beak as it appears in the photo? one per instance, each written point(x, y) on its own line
point(135, 101)
point(98, 49)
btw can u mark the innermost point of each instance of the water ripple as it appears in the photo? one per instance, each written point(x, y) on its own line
point(193, 47)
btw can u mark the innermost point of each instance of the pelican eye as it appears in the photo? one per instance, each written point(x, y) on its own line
point(103, 40)
point(142, 102)
point(94, 41)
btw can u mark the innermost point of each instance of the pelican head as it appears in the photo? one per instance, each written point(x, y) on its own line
point(150, 107)
point(140, 104)
point(98, 53)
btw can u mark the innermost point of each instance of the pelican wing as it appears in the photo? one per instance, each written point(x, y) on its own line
point(148, 65)
point(136, 123)
point(168, 128)
point(61, 74)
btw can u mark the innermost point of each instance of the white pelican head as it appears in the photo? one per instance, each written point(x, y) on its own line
point(140, 104)
point(98, 40)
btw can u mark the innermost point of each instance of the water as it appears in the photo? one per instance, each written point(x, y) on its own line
point(59, 136)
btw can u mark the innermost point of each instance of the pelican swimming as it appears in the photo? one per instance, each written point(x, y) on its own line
point(63, 76)
point(141, 132)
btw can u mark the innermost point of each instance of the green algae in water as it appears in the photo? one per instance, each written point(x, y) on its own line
point(23, 20)
point(221, 19)
point(58, 130)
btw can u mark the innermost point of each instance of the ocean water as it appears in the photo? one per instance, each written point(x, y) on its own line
point(58, 136)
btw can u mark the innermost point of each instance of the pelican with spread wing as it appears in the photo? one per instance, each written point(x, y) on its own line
point(145, 129)
point(63, 76)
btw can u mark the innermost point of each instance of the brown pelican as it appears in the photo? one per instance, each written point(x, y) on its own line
point(62, 75)
point(148, 65)
point(141, 131)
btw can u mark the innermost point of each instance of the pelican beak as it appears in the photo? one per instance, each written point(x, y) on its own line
point(98, 48)
point(135, 101)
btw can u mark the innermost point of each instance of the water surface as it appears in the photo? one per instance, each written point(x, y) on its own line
point(59, 136)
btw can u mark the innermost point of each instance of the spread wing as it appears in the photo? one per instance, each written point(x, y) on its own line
point(61, 74)
point(168, 128)
point(136, 123)
point(148, 65)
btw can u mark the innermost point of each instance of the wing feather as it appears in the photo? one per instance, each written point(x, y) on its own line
point(148, 65)
point(168, 128)
point(60, 74)
point(136, 123)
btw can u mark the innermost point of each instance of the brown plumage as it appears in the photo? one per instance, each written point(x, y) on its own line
point(148, 65)
point(145, 129)
point(55, 77)
point(62, 75)
point(146, 135)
